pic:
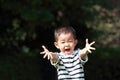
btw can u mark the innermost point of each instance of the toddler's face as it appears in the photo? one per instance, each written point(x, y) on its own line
point(66, 43)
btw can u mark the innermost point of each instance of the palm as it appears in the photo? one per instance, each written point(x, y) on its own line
point(88, 46)
point(46, 53)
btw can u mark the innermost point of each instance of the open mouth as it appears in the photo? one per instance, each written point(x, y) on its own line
point(67, 50)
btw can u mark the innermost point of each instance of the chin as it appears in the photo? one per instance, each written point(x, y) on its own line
point(68, 53)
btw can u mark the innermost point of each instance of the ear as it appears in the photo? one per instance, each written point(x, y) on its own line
point(76, 41)
point(56, 45)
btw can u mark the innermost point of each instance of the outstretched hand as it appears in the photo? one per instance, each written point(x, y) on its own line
point(88, 46)
point(46, 53)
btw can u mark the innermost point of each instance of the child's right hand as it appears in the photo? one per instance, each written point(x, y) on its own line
point(46, 53)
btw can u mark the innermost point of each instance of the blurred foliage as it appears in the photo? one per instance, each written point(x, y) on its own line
point(24, 22)
point(103, 64)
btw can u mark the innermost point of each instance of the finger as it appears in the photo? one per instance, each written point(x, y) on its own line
point(92, 43)
point(44, 48)
point(86, 41)
point(89, 50)
point(45, 55)
point(42, 52)
point(48, 57)
point(92, 48)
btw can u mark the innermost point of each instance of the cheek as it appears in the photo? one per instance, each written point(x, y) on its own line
point(60, 46)
point(73, 45)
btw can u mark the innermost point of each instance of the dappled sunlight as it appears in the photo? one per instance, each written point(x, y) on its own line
point(108, 22)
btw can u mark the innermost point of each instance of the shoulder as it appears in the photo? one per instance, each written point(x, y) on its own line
point(76, 51)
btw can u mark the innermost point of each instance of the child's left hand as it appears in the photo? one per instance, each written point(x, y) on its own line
point(88, 46)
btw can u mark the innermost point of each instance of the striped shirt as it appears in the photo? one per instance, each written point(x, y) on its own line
point(70, 67)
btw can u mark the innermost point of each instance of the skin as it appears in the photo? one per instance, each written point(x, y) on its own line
point(66, 44)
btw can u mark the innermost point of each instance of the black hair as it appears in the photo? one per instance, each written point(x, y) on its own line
point(64, 29)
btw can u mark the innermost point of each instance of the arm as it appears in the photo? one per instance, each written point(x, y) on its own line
point(87, 49)
point(51, 55)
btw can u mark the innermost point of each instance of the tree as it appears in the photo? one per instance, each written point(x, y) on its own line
point(23, 21)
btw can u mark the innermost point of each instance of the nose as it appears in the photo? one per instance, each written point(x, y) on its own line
point(66, 44)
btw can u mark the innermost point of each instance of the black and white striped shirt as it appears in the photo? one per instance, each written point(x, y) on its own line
point(70, 67)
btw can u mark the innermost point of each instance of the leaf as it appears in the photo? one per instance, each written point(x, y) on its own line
point(32, 14)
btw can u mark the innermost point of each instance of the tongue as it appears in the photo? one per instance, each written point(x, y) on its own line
point(67, 49)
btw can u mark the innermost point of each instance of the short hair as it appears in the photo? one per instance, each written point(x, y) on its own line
point(64, 29)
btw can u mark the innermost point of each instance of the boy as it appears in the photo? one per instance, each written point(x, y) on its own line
point(69, 62)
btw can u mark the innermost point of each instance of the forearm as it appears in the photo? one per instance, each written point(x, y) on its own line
point(87, 49)
point(54, 58)
point(83, 53)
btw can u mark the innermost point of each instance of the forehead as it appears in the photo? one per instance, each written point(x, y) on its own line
point(65, 36)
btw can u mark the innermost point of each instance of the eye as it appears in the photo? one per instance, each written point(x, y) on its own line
point(70, 40)
point(62, 42)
